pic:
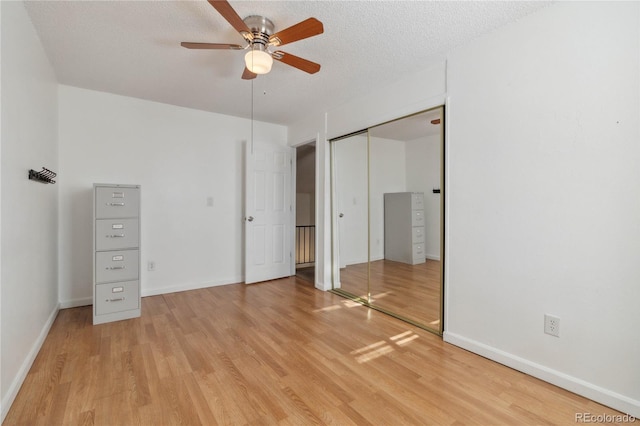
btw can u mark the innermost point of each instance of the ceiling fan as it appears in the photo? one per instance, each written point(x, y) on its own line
point(258, 33)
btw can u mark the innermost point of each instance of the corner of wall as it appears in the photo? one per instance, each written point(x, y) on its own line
point(16, 384)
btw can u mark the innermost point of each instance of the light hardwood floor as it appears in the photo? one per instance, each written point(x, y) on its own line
point(411, 291)
point(279, 352)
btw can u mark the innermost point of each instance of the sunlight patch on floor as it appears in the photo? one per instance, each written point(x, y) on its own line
point(374, 297)
point(369, 347)
point(350, 303)
point(372, 351)
point(378, 349)
point(327, 308)
point(407, 340)
point(401, 335)
point(404, 338)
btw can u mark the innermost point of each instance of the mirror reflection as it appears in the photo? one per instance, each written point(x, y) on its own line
point(397, 168)
point(350, 166)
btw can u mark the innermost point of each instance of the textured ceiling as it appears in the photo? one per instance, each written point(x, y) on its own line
point(132, 48)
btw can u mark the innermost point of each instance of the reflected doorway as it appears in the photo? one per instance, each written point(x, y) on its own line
point(305, 232)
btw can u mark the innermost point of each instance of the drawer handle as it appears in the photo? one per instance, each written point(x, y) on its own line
point(115, 236)
point(118, 299)
point(113, 268)
point(115, 204)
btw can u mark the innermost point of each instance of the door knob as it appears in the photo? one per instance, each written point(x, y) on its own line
point(250, 218)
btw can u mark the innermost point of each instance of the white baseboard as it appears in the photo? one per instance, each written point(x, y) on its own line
point(75, 303)
point(190, 286)
point(26, 365)
point(433, 257)
point(588, 390)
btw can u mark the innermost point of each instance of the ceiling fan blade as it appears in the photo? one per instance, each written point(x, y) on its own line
point(248, 75)
point(190, 45)
point(307, 28)
point(224, 8)
point(297, 62)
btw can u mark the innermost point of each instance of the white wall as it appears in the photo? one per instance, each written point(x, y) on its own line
point(181, 157)
point(29, 215)
point(545, 197)
point(542, 192)
point(424, 169)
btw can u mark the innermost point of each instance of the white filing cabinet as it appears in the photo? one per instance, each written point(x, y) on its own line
point(404, 227)
point(116, 252)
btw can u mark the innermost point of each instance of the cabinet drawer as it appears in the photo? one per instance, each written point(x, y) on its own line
point(117, 202)
point(114, 234)
point(116, 297)
point(417, 201)
point(418, 253)
point(418, 235)
point(116, 266)
point(417, 218)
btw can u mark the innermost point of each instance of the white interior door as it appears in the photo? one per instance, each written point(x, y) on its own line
point(269, 213)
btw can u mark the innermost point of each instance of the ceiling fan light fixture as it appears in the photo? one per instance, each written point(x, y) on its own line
point(258, 32)
point(258, 61)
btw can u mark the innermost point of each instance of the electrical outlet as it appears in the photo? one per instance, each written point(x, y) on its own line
point(151, 265)
point(552, 325)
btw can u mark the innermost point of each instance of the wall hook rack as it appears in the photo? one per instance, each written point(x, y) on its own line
point(45, 175)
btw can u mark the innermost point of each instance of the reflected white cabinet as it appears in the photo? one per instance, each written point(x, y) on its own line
point(404, 227)
point(116, 252)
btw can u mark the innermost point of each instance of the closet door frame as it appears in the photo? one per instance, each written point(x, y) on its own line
point(335, 267)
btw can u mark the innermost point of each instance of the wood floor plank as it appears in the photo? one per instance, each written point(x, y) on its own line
point(274, 353)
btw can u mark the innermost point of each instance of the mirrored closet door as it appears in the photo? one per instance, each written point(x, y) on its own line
point(388, 207)
point(351, 214)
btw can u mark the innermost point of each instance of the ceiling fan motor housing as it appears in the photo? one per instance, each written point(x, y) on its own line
point(261, 28)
